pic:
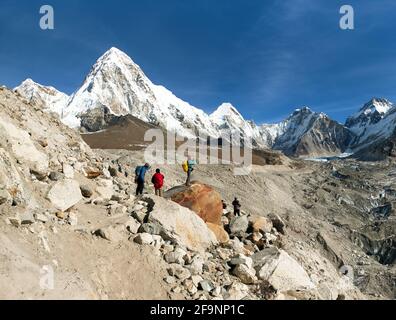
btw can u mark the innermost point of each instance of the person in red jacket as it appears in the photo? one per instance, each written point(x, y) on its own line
point(158, 181)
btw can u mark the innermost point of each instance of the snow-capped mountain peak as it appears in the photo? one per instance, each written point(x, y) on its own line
point(380, 105)
point(370, 114)
point(45, 97)
point(226, 111)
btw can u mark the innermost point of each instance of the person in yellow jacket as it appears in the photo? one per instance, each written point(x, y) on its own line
point(188, 167)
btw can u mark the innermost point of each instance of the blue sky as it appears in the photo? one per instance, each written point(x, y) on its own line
point(266, 57)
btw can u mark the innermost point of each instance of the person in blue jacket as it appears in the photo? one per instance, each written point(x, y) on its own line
point(140, 175)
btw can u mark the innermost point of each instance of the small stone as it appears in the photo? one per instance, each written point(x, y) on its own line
point(206, 285)
point(109, 233)
point(55, 176)
point(196, 280)
point(143, 239)
point(176, 256)
point(150, 228)
point(68, 171)
point(16, 222)
point(73, 219)
point(176, 290)
point(170, 280)
point(27, 218)
point(166, 248)
point(278, 223)
point(237, 291)
point(190, 286)
point(157, 243)
point(5, 197)
point(41, 217)
point(132, 226)
point(139, 216)
point(196, 266)
point(86, 191)
point(179, 272)
point(61, 215)
point(217, 292)
point(245, 274)
point(138, 207)
point(241, 259)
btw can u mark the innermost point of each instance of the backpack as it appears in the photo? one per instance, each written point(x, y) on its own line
point(137, 170)
point(185, 166)
point(137, 173)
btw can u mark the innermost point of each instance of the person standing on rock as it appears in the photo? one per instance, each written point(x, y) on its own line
point(158, 181)
point(188, 167)
point(237, 207)
point(140, 175)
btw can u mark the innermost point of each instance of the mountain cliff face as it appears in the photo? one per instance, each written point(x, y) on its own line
point(374, 128)
point(116, 86)
point(307, 133)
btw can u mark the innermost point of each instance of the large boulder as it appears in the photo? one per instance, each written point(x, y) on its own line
point(180, 225)
point(65, 194)
point(282, 271)
point(221, 235)
point(200, 198)
point(105, 189)
point(23, 148)
point(10, 180)
point(261, 224)
point(239, 225)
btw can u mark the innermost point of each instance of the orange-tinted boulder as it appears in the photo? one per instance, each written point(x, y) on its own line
point(262, 224)
point(200, 198)
point(221, 235)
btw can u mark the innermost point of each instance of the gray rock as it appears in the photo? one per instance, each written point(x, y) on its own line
point(72, 219)
point(110, 233)
point(180, 225)
point(151, 228)
point(241, 259)
point(206, 285)
point(105, 189)
point(41, 217)
point(65, 194)
point(278, 223)
point(196, 266)
point(143, 239)
point(26, 218)
point(237, 291)
point(176, 256)
point(15, 221)
point(139, 216)
point(196, 279)
point(239, 225)
point(179, 272)
point(132, 226)
point(68, 171)
point(245, 274)
point(86, 191)
point(170, 280)
point(55, 176)
point(5, 197)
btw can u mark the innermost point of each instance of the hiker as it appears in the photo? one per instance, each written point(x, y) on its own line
point(224, 205)
point(158, 181)
point(237, 207)
point(140, 174)
point(188, 167)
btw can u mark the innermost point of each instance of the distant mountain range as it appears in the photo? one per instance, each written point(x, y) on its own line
point(116, 86)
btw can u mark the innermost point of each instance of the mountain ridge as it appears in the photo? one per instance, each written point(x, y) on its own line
point(116, 85)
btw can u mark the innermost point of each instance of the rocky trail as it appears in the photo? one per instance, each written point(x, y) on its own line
point(71, 227)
